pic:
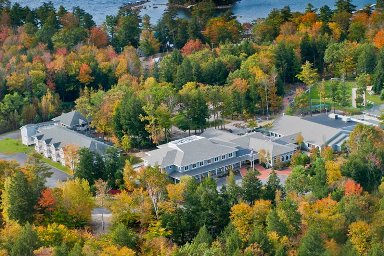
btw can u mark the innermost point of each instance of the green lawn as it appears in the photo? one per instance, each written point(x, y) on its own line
point(57, 166)
point(11, 146)
point(349, 85)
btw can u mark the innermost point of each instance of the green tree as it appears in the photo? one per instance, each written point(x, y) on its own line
point(127, 120)
point(378, 75)
point(298, 181)
point(127, 31)
point(251, 187)
point(198, 111)
point(91, 166)
point(122, 236)
point(184, 74)
point(286, 62)
point(26, 242)
point(311, 244)
point(366, 60)
point(273, 184)
point(18, 198)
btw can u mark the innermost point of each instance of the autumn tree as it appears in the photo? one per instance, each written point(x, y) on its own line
point(154, 181)
point(220, 30)
point(98, 37)
point(76, 199)
point(71, 156)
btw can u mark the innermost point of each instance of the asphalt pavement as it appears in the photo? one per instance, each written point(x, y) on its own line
point(21, 158)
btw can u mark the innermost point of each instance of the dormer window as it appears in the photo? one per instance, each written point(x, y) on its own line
point(230, 154)
point(216, 159)
point(223, 157)
point(186, 168)
point(201, 163)
point(194, 166)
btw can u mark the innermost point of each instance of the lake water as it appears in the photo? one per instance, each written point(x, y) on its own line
point(245, 10)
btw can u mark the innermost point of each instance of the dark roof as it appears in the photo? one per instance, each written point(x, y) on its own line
point(71, 119)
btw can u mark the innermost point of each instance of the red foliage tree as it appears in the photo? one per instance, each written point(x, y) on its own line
point(352, 188)
point(47, 200)
point(191, 46)
point(98, 37)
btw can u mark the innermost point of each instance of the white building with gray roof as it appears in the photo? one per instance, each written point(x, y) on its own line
point(52, 142)
point(215, 152)
point(317, 131)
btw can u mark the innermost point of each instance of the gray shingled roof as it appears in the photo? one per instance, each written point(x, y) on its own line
point(193, 150)
point(312, 132)
point(71, 119)
point(60, 137)
point(257, 141)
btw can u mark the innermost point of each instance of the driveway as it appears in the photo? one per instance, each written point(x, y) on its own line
point(52, 181)
point(11, 135)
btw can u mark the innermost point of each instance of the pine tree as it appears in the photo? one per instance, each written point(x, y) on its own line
point(18, 198)
point(203, 236)
point(251, 187)
point(311, 244)
point(26, 242)
point(378, 75)
point(273, 184)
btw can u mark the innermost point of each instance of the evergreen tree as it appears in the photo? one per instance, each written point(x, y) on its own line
point(273, 184)
point(123, 236)
point(251, 187)
point(286, 62)
point(319, 180)
point(26, 242)
point(378, 75)
point(311, 244)
point(90, 167)
point(184, 74)
point(127, 120)
point(203, 236)
point(344, 6)
point(198, 111)
point(366, 60)
point(18, 198)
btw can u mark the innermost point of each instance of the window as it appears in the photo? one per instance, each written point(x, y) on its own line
point(216, 159)
point(170, 167)
point(209, 161)
point(201, 163)
point(230, 154)
point(282, 158)
point(194, 166)
point(186, 168)
point(223, 157)
point(286, 157)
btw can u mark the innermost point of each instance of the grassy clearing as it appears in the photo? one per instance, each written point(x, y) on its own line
point(133, 159)
point(57, 165)
point(349, 85)
point(12, 146)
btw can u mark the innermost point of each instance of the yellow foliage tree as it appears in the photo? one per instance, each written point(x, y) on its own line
point(360, 235)
point(333, 169)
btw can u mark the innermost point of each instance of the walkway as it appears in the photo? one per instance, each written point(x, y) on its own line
point(264, 173)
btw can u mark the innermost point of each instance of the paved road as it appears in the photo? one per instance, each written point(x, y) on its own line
point(21, 158)
point(11, 135)
point(52, 181)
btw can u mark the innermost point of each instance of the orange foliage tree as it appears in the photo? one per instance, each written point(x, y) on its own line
point(192, 46)
point(98, 37)
point(378, 40)
point(85, 76)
